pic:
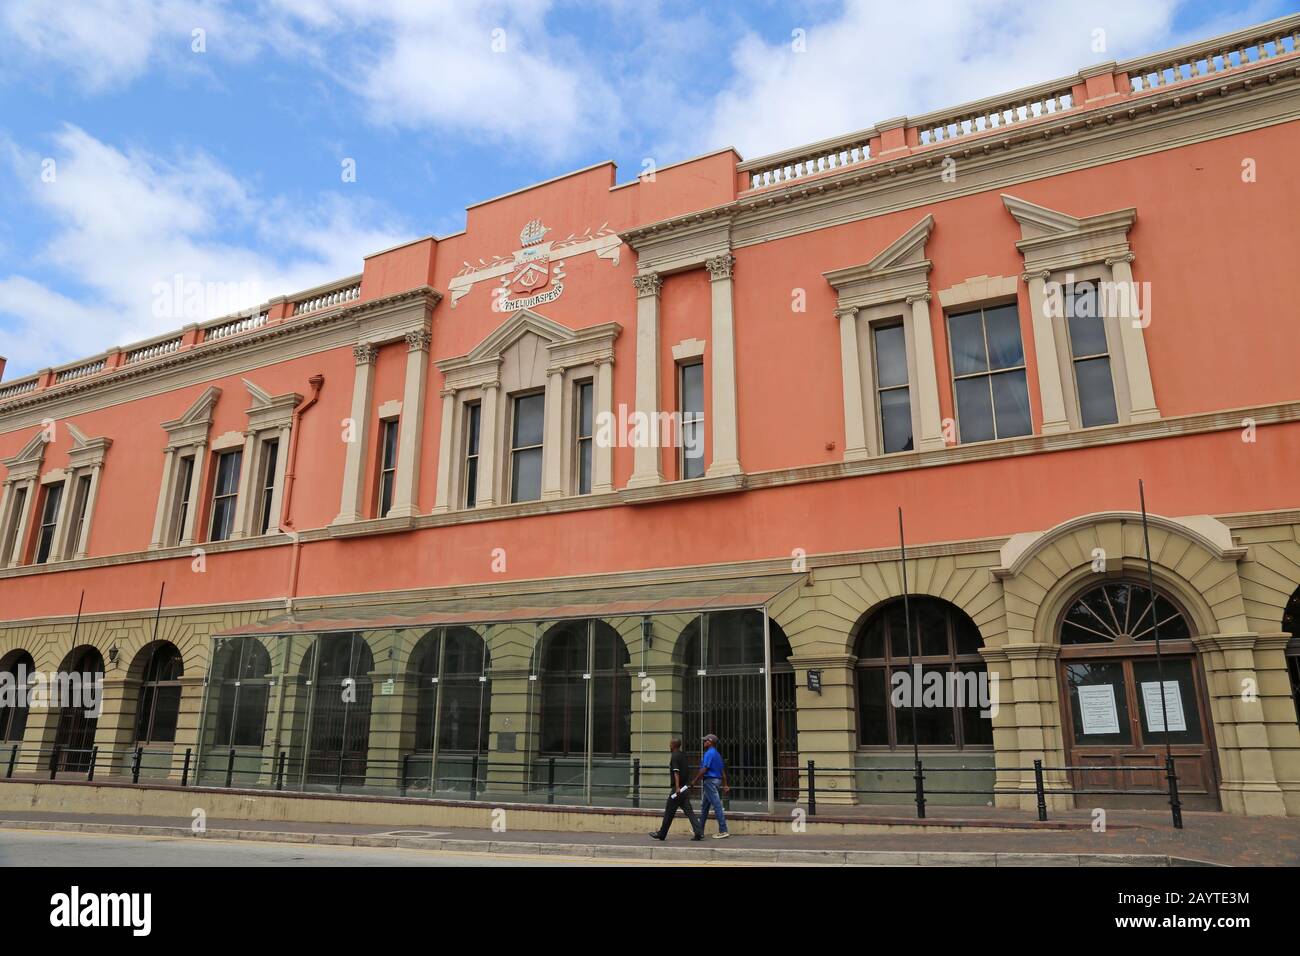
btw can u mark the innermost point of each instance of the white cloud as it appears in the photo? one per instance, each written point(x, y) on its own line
point(876, 60)
point(126, 223)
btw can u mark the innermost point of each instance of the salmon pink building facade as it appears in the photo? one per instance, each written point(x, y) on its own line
point(508, 509)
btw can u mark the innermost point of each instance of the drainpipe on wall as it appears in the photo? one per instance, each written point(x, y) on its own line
point(290, 471)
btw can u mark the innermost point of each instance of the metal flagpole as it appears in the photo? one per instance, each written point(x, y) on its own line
point(907, 626)
point(77, 625)
point(1174, 804)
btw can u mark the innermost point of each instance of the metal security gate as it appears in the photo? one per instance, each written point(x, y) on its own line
point(725, 694)
point(339, 739)
point(75, 735)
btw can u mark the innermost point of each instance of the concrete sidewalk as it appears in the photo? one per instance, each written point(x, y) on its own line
point(1209, 838)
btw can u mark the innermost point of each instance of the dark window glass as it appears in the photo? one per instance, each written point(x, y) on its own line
point(387, 467)
point(1090, 356)
point(692, 405)
point(79, 507)
point(270, 452)
point(49, 522)
point(988, 360)
point(20, 668)
point(1180, 701)
point(184, 476)
point(526, 448)
point(75, 735)
point(472, 413)
point(451, 695)
point(160, 695)
point(893, 397)
point(585, 437)
point(1095, 677)
point(945, 647)
point(1121, 611)
point(225, 490)
point(565, 660)
point(14, 532)
point(242, 671)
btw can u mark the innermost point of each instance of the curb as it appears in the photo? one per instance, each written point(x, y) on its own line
point(618, 852)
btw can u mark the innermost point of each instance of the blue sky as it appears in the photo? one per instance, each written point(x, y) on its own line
point(128, 156)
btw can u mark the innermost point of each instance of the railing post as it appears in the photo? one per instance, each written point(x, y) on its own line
point(94, 755)
point(135, 765)
point(279, 772)
point(1038, 789)
point(473, 778)
point(13, 759)
point(920, 790)
point(550, 781)
point(185, 770)
point(406, 766)
point(636, 782)
point(812, 788)
point(54, 762)
point(230, 768)
point(1175, 806)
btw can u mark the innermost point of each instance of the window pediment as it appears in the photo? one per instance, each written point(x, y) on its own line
point(270, 411)
point(86, 452)
point(898, 271)
point(192, 427)
point(1052, 240)
point(26, 464)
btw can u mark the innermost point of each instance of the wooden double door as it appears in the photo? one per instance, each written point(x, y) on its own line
point(1114, 721)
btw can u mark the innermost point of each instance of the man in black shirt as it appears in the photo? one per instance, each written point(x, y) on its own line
point(680, 795)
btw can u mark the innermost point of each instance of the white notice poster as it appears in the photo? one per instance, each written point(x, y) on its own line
point(1097, 709)
point(1173, 702)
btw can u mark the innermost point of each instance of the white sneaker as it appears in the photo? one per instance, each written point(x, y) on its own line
point(721, 836)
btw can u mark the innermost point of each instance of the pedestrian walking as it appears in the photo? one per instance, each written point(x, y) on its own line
point(713, 774)
point(680, 796)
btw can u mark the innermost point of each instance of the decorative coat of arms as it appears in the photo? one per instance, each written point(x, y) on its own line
point(534, 273)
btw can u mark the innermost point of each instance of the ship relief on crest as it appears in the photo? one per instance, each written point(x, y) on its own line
point(534, 273)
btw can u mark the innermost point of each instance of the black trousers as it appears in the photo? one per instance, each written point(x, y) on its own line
point(670, 812)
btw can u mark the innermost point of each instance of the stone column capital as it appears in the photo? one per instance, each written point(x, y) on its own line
point(365, 353)
point(647, 283)
point(1041, 275)
point(418, 340)
point(1127, 257)
point(920, 297)
point(721, 267)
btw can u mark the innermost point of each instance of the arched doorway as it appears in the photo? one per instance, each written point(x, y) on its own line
point(452, 703)
point(75, 734)
point(725, 694)
point(158, 707)
point(17, 668)
point(1291, 624)
point(1113, 716)
point(338, 739)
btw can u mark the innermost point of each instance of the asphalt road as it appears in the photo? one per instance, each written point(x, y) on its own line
point(34, 848)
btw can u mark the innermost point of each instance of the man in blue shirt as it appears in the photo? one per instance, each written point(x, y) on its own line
point(713, 771)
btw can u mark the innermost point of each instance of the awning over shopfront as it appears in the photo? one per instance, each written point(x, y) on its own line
point(723, 594)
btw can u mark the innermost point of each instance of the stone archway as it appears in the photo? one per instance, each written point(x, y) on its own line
point(1193, 559)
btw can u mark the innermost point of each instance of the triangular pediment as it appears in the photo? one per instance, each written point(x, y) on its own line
point(1039, 221)
point(33, 451)
point(86, 451)
point(200, 412)
point(519, 324)
point(908, 249)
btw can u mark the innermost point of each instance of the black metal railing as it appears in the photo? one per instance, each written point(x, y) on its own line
point(542, 779)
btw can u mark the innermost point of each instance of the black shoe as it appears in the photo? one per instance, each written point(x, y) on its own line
point(655, 836)
point(697, 838)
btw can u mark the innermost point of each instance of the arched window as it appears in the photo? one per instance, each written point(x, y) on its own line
point(79, 712)
point(1120, 612)
point(242, 671)
point(16, 670)
point(1291, 624)
point(570, 652)
point(947, 677)
point(340, 722)
point(724, 693)
point(451, 701)
point(160, 694)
